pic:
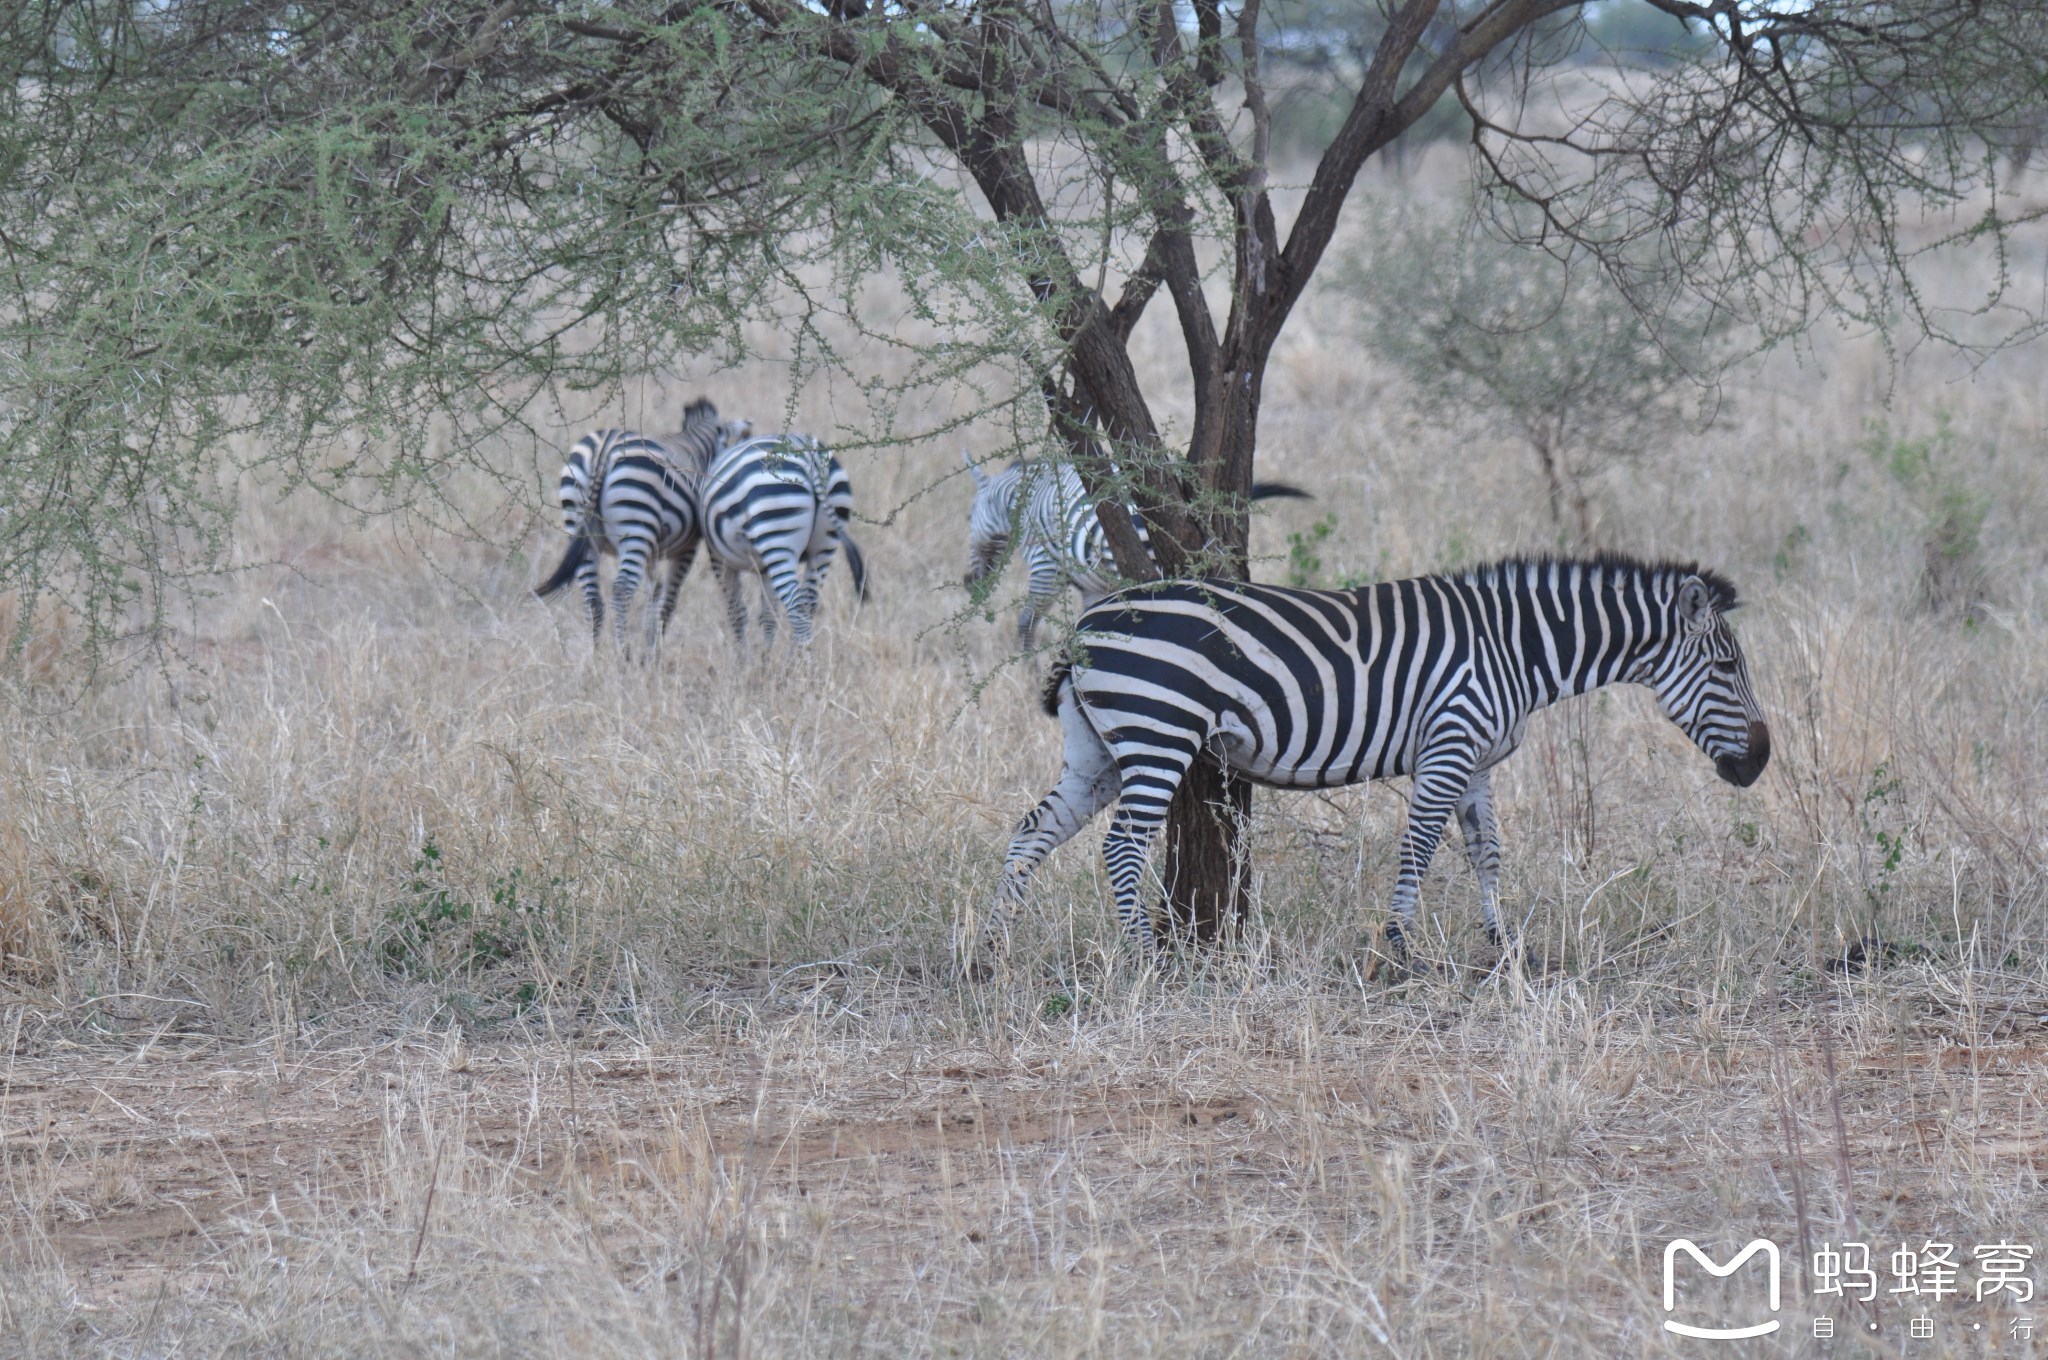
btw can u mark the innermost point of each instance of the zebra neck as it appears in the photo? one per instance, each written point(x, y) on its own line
point(1582, 629)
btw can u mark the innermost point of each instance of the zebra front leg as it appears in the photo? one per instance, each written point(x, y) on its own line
point(1087, 785)
point(1441, 778)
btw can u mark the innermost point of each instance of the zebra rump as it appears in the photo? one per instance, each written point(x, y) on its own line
point(635, 496)
point(777, 507)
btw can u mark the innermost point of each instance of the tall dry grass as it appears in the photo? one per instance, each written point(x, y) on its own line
point(387, 973)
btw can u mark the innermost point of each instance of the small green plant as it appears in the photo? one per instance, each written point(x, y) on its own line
point(1787, 558)
point(434, 932)
point(1305, 562)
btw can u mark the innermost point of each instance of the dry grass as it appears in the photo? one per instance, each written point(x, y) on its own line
point(384, 974)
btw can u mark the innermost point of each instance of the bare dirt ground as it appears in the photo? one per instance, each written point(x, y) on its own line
point(1233, 1172)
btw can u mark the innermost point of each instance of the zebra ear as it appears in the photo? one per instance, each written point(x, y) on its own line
point(974, 470)
point(1695, 604)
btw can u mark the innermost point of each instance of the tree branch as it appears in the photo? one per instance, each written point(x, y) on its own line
point(1377, 118)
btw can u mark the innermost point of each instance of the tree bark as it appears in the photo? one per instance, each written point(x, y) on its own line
point(1207, 898)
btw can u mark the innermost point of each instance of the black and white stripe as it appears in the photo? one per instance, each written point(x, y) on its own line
point(1433, 678)
point(777, 506)
point(635, 496)
point(1043, 507)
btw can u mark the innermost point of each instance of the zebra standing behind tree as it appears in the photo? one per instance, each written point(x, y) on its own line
point(1042, 504)
point(777, 507)
point(1433, 678)
point(635, 496)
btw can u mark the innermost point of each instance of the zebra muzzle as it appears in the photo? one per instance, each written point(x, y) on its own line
point(1742, 770)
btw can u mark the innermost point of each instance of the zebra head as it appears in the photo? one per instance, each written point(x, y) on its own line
point(1702, 682)
point(701, 415)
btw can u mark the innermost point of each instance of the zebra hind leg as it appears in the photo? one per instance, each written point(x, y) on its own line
point(732, 582)
point(1087, 785)
point(632, 567)
point(1126, 853)
point(658, 606)
point(593, 597)
point(798, 597)
point(771, 616)
point(1482, 848)
point(1441, 778)
point(1027, 627)
point(678, 567)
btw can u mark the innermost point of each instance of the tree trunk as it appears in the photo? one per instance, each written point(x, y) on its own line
point(1202, 865)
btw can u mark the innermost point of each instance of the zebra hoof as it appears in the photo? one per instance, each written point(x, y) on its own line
point(1531, 963)
point(978, 968)
point(1390, 959)
point(1515, 953)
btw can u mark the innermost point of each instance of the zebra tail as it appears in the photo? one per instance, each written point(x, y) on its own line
point(579, 552)
point(1050, 700)
point(856, 564)
point(1279, 491)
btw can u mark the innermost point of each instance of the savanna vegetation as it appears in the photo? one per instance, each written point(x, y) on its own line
point(386, 973)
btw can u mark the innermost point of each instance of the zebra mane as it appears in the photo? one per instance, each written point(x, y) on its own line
point(699, 411)
point(1620, 565)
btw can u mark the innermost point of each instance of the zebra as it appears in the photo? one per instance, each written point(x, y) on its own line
point(635, 496)
point(1434, 678)
point(1047, 509)
point(777, 506)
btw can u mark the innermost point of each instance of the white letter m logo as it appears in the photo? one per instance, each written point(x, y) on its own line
point(1770, 1251)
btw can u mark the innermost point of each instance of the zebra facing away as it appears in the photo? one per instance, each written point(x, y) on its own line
point(777, 507)
point(1049, 512)
point(1433, 678)
point(635, 496)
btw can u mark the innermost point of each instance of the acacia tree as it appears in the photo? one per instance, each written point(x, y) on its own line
point(1489, 335)
point(316, 224)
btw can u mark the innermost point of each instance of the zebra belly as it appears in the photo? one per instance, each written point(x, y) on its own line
point(1242, 758)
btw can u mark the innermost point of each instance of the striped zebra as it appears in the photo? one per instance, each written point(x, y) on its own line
point(1046, 509)
point(776, 507)
point(1433, 678)
point(635, 496)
